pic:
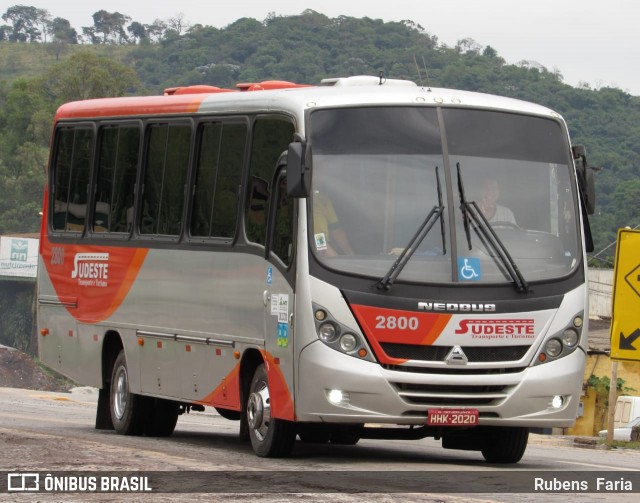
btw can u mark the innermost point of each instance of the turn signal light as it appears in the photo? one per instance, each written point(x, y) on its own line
point(44, 331)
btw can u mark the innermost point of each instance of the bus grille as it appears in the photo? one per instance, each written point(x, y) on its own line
point(453, 370)
point(474, 354)
point(450, 395)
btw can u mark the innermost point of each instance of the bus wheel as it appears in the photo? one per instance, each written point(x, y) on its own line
point(270, 437)
point(163, 416)
point(128, 411)
point(506, 445)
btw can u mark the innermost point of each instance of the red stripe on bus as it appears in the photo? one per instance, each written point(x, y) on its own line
point(399, 327)
point(131, 106)
point(281, 399)
point(227, 393)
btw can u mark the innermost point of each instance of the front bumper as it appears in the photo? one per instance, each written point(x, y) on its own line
point(373, 394)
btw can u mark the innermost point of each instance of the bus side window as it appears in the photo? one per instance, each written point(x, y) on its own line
point(219, 172)
point(164, 179)
point(271, 136)
point(117, 166)
point(72, 167)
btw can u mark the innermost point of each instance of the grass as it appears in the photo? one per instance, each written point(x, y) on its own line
point(619, 444)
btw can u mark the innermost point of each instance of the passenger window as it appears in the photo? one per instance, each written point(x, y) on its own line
point(164, 179)
point(71, 172)
point(117, 167)
point(219, 171)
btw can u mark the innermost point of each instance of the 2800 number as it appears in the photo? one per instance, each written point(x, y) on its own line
point(397, 322)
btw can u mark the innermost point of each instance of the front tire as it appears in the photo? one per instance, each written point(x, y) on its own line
point(270, 437)
point(129, 412)
point(505, 445)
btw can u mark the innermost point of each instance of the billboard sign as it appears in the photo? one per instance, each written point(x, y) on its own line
point(18, 257)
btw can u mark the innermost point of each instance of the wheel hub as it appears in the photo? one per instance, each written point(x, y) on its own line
point(255, 411)
point(121, 393)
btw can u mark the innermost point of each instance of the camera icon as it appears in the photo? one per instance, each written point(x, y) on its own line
point(23, 482)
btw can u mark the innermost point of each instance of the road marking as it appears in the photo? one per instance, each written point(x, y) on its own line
point(622, 469)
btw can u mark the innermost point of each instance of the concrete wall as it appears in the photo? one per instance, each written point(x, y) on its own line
point(600, 292)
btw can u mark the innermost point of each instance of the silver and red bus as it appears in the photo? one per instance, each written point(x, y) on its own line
point(364, 258)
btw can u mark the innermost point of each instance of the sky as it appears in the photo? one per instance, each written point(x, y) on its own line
point(588, 41)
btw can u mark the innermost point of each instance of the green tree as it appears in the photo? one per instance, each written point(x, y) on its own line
point(137, 31)
point(111, 25)
point(25, 21)
point(25, 122)
point(63, 32)
point(86, 75)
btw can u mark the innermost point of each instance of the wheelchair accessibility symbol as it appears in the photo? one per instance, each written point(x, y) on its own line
point(469, 268)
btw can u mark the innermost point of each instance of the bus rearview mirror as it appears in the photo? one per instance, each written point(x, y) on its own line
point(298, 169)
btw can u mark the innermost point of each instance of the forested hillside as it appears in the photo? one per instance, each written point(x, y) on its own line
point(51, 62)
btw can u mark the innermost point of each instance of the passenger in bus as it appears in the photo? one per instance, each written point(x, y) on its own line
point(329, 237)
point(488, 203)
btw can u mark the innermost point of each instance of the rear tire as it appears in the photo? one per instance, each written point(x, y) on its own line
point(505, 444)
point(129, 412)
point(270, 437)
point(163, 416)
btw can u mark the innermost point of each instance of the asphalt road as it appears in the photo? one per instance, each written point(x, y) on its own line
point(45, 432)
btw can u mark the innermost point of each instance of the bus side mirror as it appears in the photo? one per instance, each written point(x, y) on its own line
point(586, 180)
point(299, 169)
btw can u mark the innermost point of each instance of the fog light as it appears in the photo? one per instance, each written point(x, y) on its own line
point(348, 342)
point(570, 337)
point(327, 332)
point(557, 402)
point(337, 396)
point(553, 347)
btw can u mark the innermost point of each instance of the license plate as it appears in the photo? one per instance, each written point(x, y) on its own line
point(452, 417)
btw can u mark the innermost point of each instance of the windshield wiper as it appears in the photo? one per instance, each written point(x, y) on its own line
point(426, 226)
point(471, 213)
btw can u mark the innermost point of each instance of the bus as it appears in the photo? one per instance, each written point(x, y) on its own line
point(363, 258)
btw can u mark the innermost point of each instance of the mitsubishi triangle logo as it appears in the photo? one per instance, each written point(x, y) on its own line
point(456, 357)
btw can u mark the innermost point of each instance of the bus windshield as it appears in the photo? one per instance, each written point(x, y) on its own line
point(377, 172)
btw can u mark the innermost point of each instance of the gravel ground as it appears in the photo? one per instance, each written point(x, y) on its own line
point(19, 370)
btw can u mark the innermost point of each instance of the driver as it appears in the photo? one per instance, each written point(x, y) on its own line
point(488, 203)
point(331, 239)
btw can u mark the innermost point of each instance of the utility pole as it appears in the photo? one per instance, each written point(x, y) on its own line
point(612, 400)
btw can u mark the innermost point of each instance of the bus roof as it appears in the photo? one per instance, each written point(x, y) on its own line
point(292, 98)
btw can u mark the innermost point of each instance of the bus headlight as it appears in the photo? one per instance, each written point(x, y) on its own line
point(340, 337)
point(553, 347)
point(570, 337)
point(327, 332)
point(348, 343)
point(562, 342)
